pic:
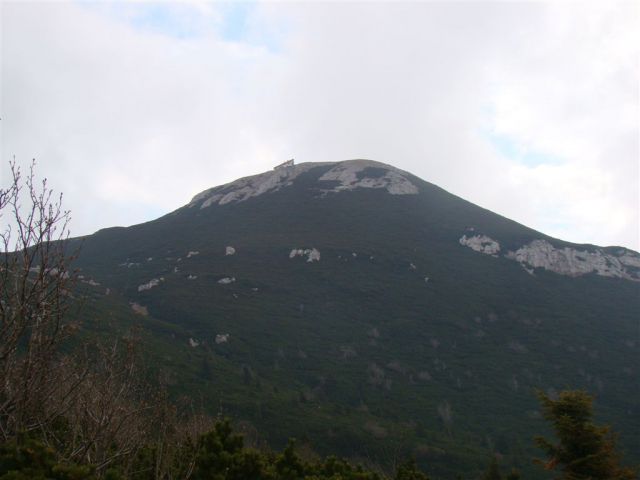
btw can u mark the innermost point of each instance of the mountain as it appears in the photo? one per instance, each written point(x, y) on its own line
point(371, 314)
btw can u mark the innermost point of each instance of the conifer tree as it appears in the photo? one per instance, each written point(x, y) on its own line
point(585, 451)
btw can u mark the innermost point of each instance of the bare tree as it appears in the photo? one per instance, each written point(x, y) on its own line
point(35, 293)
point(92, 403)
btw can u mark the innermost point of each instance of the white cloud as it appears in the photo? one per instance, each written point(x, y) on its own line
point(123, 112)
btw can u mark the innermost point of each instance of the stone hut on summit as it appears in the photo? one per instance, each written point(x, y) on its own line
point(287, 164)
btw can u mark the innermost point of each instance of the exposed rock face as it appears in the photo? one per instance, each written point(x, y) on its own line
point(350, 174)
point(249, 187)
point(481, 243)
point(629, 258)
point(222, 338)
point(572, 262)
point(227, 280)
point(312, 254)
point(230, 251)
point(564, 261)
point(154, 282)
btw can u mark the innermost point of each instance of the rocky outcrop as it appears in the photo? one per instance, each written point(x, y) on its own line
point(568, 261)
point(574, 262)
point(353, 174)
point(312, 254)
point(248, 187)
point(349, 175)
point(481, 243)
point(154, 282)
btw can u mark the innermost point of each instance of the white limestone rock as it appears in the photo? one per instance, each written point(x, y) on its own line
point(249, 187)
point(573, 262)
point(481, 243)
point(629, 258)
point(395, 181)
point(192, 277)
point(227, 280)
point(193, 343)
point(222, 338)
point(154, 282)
point(211, 200)
point(312, 254)
point(565, 261)
point(229, 251)
point(192, 254)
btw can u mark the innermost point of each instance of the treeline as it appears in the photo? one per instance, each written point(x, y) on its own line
point(72, 409)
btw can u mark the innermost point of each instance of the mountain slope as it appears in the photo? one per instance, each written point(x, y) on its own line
point(370, 313)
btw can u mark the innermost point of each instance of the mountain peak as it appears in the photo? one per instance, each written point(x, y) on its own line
point(479, 230)
point(336, 177)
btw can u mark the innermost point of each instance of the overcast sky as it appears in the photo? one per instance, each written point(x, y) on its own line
point(528, 109)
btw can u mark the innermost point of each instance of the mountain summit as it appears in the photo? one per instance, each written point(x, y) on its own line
point(365, 311)
point(341, 176)
point(350, 175)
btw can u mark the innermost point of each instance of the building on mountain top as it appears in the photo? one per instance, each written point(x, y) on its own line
point(288, 163)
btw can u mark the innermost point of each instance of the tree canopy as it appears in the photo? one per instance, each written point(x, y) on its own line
point(584, 451)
